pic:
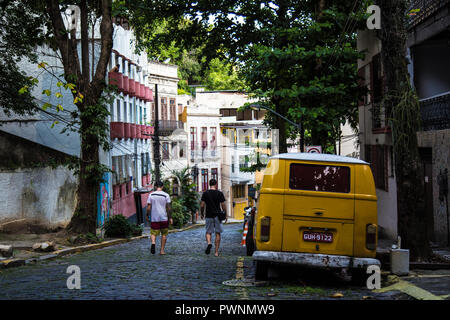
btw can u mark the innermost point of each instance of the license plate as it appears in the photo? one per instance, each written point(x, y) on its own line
point(317, 236)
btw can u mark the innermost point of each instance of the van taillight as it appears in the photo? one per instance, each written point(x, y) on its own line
point(371, 237)
point(265, 229)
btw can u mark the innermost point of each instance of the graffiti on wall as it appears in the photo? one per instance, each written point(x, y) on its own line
point(103, 202)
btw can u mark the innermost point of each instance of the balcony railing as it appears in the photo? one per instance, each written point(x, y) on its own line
point(422, 9)
point(203, 152)
point(380, 119)
point(130, 86)
point(121, 130)
point(166, 127)
point(435, 112)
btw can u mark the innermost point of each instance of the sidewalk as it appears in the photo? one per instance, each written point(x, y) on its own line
point(420, 284)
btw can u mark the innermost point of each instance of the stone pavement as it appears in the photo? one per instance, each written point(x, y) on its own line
point(129, 271)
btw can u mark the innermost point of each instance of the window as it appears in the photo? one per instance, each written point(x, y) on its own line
point(238, 191)
point(204, 137)
point(153, 112)
point(163, 109)
point(193, 137)
point(140, 115)
point(228, 112)
point(376, 155)
point(319, 178)
point(213, 143)
point(244, 161)
point(118, 110)
point(174, 150)
point(182, 149)
point(204, 179)
point(214, 174)
point(173, 115)
point(165, 153)
point(125, 112)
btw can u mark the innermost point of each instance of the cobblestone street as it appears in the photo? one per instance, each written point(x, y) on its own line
point(129, 271)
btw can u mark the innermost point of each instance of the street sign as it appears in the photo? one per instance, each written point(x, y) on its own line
point(314, 149)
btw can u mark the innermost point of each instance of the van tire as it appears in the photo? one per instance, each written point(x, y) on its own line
point(262, 270)
point(250, 245)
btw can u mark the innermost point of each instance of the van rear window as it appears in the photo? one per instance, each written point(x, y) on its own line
point(319, 178)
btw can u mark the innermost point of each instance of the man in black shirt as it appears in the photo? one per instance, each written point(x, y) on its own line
point(214, 201)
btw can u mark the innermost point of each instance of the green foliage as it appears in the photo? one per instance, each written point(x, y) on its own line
point(295, 57)
point(118, 226)
point(180, 213)
point(189, 197)
point(21, 29)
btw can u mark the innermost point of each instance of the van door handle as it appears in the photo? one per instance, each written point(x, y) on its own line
point(318, 213)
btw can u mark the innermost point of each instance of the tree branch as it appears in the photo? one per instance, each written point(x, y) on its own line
point(106, 31)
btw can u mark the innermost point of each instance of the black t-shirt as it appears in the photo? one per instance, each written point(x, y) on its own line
point(213, 199)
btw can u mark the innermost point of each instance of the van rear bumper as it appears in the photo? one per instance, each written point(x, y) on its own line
point(315, 260)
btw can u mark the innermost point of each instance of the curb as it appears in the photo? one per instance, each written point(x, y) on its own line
point(11, 263)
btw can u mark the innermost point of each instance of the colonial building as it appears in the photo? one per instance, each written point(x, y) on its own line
point(172, 132)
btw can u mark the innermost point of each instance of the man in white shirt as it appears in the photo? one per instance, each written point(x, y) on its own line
point(159, 208)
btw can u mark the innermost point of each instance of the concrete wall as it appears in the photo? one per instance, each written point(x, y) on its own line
point(439, 141)
point(45, 195)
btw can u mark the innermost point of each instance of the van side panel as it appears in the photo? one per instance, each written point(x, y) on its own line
point(271, 204)
point(365, 210)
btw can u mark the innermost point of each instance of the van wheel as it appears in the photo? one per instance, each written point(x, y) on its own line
point(359, 277)
point(262, 269)
point(250, 245)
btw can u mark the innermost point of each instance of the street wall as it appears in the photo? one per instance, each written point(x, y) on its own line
point(439, 141)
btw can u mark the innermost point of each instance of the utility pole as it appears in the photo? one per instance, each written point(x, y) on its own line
point(156, 144)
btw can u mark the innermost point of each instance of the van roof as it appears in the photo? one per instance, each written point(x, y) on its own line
point(317, 157)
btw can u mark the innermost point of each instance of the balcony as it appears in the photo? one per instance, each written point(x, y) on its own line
point(127, 131)
point(423, 9)
point(167, 127)
point(435, 112)
point(201, 152)
point(132, 87)
point(141, 92)
point(133, 131)
point(137, 88)
point(117, 130)
point(380, 119)
point(126, 85)
point(148, 94)
point(115, 79)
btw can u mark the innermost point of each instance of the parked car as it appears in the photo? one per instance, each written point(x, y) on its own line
point(316, 210)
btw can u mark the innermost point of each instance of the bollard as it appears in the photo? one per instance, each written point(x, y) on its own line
point(400, 262)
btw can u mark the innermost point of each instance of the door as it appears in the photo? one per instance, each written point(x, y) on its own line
point(319, 208)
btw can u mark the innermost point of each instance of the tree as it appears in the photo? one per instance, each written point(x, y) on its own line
point(189, 197)
point(21, 29)
point(297, 56)
point(88, 95)
point(403, 106)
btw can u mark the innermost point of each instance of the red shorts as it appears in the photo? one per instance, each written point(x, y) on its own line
point(159, 225)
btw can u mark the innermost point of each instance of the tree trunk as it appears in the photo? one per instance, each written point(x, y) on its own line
point(91, 119)
point(403, 107)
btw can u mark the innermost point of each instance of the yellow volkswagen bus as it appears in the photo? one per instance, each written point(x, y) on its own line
point(316, 210)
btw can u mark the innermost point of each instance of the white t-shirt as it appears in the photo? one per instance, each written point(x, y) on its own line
point(158, 200)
